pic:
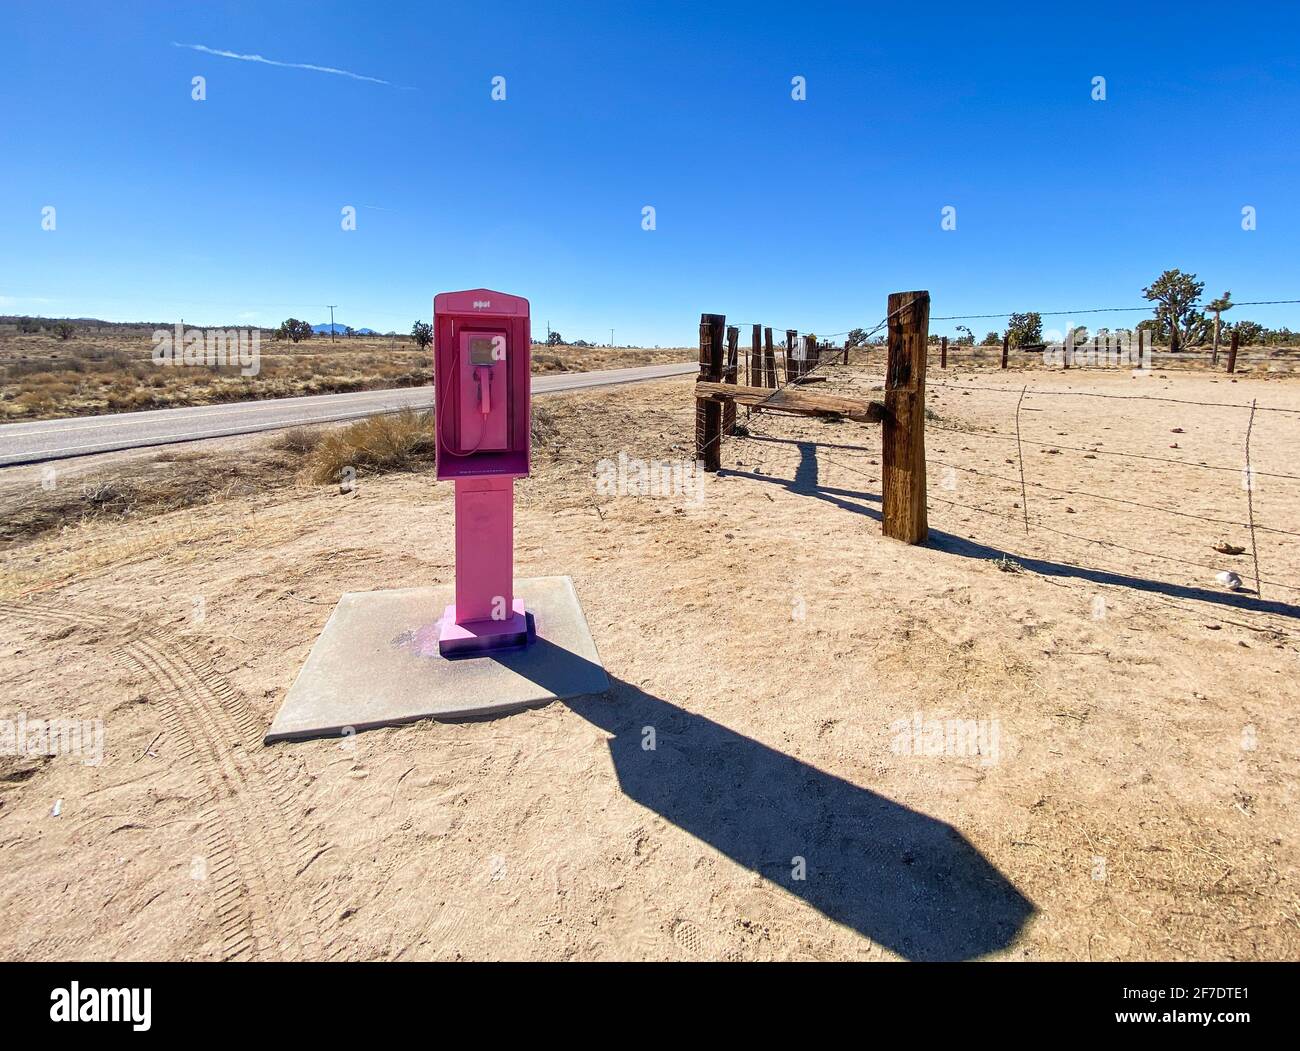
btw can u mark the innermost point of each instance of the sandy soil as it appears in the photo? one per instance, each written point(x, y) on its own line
point(1131, 794)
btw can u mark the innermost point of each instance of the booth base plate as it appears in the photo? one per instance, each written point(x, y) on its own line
point(377, 663)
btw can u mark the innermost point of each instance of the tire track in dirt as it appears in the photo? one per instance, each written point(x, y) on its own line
point(254, 848)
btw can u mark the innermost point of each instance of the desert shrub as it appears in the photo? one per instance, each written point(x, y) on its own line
point(130, 400)
point(16, 369)
point(299, 440)
point(382, 443)
point(106, 493)
point(543, 427)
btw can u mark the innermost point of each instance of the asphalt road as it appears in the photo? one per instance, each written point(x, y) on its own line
point(40, 440)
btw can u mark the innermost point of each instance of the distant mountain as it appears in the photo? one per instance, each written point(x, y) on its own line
point(340, 328)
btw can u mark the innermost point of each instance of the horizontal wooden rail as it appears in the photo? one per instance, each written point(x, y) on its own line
point(787, 399)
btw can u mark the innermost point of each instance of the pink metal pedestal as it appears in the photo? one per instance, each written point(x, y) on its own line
point(485, 616)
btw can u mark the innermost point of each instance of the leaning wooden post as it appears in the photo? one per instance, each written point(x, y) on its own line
point(943, 352)
point(1232, 351)
point(769, 360)
point(903, 426)
point(708, 413)
point(1006, 345)
point(1141, 340)
point(729, 376)
point(791, 334)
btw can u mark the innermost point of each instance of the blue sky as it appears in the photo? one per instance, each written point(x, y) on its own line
point(799, 214)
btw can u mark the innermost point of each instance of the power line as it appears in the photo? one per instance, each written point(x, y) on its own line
point(1101, 310)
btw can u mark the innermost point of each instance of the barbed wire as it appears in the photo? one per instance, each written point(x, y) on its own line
point(1110, 452)
point(1039, 523)
point(1115, 397)
point(1113, 499)
point(1077, 536)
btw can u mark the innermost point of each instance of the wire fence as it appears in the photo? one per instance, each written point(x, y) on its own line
point(1034, 517)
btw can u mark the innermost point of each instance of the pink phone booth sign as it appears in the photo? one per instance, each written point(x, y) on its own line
point(482, 384)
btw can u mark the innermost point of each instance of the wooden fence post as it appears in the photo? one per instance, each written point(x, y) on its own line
point(903, 428)
point(708, 413)
point(1232, 351)
point(1141, 340)
point(729, 376)
point(791, 334)
point(943, 352)
point(769, 360)
point(1006, 345)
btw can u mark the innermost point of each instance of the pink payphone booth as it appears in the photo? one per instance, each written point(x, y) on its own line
point(481, 405)
point(384, 657)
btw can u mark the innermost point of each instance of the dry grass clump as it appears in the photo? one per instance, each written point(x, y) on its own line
point(299, 440)
point(395, 442)
point(545, 426)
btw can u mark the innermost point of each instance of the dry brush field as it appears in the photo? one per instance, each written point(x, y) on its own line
point(1134, 800)
point(112, 370)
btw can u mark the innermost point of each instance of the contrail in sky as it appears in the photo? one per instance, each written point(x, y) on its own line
point(286, 65)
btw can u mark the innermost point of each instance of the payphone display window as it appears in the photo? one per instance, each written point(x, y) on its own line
point(483, 350)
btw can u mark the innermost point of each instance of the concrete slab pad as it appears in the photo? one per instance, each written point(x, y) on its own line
point(377, 663)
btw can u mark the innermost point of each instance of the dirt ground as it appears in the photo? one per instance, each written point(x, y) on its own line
point(751, 787)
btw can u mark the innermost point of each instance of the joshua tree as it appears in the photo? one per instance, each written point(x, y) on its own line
point(292, 328)
point(423, 333)
point(1025, 329)
point(1224, 302)
point(1175, 295)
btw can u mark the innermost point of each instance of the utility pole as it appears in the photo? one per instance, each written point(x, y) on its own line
point(611, 337)
point(331, 306)
point(548, 333)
